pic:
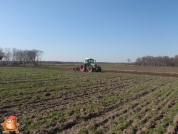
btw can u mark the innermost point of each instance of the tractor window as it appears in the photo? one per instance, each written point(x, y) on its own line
point(91, 61)
point(85, 61)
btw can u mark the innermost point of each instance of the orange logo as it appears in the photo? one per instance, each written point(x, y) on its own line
point(10, 124)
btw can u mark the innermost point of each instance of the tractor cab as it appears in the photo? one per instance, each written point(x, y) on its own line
point(89, 61)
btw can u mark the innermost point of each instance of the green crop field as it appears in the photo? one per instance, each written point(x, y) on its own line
point(56, 101)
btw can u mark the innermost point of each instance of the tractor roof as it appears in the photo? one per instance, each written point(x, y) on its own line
point(88, 58)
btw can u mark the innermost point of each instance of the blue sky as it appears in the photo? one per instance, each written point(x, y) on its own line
point(106, 30)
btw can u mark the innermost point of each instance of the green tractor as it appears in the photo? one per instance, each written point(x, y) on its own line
point(90, 66)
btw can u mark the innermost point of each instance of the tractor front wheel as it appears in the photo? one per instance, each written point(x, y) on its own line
point(90, 69)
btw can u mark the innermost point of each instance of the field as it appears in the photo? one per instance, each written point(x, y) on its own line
point(118, 67)
point(56, 101)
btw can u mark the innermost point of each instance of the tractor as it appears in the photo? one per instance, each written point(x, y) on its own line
point(89, 65)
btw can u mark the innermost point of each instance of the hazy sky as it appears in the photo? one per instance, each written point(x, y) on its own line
point(106, 30)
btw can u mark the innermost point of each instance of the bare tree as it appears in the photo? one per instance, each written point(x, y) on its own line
point(176, 60)
point(128, 60)
point(25, 57)
point(157, 61)
point(8, 55)
point(14, 54)
point(165, 60)
point(40, 56)
point(35, 56)
point(171, 62)
point(138, 61)
point(17, 56)
point(144, 61)
point(1, 53)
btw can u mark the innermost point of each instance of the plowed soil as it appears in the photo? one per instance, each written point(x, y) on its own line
point(55, 101)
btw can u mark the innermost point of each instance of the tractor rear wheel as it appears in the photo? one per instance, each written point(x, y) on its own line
point(82, 68)
point(90, 69)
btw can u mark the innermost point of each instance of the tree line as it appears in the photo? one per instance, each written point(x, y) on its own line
point(157, 61)
point(17, 56)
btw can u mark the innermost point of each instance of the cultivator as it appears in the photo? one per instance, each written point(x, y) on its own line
point(88, 66)
point(75, 68)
